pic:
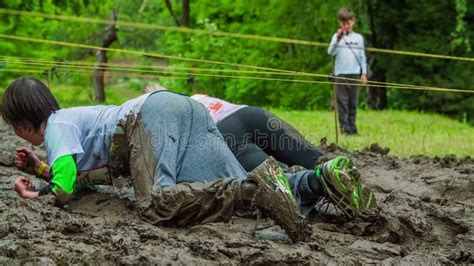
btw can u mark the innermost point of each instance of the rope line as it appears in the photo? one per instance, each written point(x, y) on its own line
point(130, 69)
point(221, 34)
point(116, 50)
point(262, 78)
point(88, 73)
point(90, 65)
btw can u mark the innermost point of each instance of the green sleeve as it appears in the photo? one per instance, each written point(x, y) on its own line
point(64, 174)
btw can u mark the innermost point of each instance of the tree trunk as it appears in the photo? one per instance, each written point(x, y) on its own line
point(170, 9)
point(185, 17)
point(376, 96)
point(101, 59)
point(186, 13)
point(98, 80)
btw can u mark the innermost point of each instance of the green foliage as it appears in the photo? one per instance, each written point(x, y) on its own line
point(430, 27)
point(282, 18)
point(425, 26)
point(460, 34)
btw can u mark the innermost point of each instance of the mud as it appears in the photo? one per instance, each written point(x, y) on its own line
point(425, 216)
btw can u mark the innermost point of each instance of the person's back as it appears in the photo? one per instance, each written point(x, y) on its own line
point(86, 132)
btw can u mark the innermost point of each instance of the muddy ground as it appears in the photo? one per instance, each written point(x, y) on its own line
point(425, 216)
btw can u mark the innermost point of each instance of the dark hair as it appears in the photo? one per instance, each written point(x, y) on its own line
point(345, 14)
point(28, 101)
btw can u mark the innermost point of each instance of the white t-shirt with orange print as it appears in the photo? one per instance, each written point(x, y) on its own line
point(217, 108)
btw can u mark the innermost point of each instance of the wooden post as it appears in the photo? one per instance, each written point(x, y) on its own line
point(334, 100)
point(335, 109)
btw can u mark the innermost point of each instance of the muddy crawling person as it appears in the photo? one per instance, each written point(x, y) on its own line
point(181, 169)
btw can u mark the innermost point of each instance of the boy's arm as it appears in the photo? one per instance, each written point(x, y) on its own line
point(332, 50)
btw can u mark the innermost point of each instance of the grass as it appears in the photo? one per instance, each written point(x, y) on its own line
point(405, 133)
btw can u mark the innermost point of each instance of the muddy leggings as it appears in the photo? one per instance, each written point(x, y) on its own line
point(254, 134)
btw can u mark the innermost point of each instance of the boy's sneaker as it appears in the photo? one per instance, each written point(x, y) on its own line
point(275, 198)
point(340, 180)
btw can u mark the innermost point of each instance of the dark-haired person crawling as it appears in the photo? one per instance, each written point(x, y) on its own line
point(181, 169)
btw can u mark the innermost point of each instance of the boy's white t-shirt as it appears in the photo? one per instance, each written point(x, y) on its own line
point(86, 132)
point(350, 54)
point(217, 108)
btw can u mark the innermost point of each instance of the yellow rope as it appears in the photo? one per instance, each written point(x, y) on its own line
point(356, 81)
point(130, 69)
point(220, 33)
point(156, 55)
point(266, 79)
point(88, 73)
point(26, 60)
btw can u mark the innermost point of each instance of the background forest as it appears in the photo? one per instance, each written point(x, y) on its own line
point(439, 27)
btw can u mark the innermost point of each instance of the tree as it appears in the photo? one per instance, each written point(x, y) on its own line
point(376, 96)
point(410, 26)
point(184, 21)
point(101, 59)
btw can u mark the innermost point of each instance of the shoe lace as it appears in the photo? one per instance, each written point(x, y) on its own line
point(325, 204)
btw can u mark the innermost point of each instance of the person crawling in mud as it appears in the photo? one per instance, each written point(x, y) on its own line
point(181, 169)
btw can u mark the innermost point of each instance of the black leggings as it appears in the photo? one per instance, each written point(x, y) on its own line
point(253, 134)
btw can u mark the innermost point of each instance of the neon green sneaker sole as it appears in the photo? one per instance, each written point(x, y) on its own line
point(341, 183)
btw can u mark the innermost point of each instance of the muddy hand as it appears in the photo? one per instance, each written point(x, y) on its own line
point(26, 160)
point(25, 188)
point(29, 185)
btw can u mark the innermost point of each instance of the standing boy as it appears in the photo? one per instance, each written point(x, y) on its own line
point(350, 63)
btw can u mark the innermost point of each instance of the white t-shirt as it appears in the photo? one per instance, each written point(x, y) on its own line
point(217, 108)
point(86, 132)
point(348, 60)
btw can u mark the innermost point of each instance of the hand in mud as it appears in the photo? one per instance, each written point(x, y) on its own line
point(25, 188)
point(27, 160)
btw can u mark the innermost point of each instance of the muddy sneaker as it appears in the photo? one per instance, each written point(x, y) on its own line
point(274, 197)
point(340, 180)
